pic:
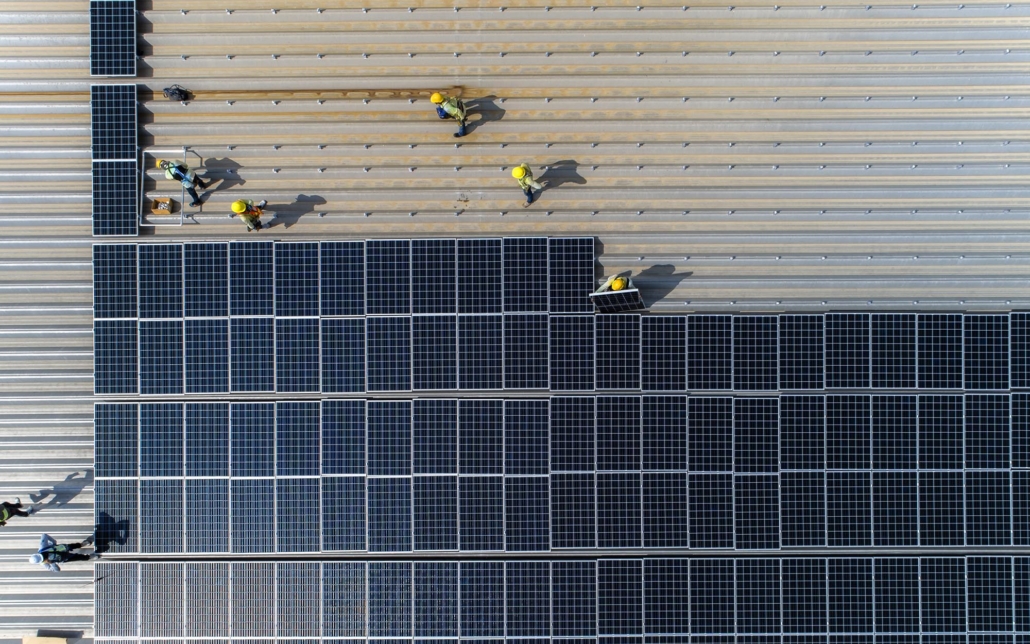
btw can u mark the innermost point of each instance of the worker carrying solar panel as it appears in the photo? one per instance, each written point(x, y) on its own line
point(51, 553)
point(188, 178)
point(452, 107)
point(249, 213)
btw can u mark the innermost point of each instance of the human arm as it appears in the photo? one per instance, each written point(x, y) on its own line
point(52, 567)
point(45, 542)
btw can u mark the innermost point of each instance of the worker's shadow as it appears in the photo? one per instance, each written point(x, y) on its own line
point(221, 174)
point(62, 493)
point(487, 110)
point(656, 282)
point(108, 531)
point(288, 214)
point(560, 173)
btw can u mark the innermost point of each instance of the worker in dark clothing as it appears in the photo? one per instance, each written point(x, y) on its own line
point(8, 510)
point(51, 553)
point(188, 178)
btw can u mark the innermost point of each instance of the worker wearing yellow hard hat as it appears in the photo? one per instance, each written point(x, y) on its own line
point(188, 178)
point(250, 213)
point(524, 176)
point(450, 107)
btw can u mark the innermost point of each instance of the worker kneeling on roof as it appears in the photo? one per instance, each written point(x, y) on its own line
point(449, 106)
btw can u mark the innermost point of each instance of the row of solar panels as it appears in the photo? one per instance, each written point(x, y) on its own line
point(525, 351)
point(114, 138)
point(352, 278)
point(852, 599)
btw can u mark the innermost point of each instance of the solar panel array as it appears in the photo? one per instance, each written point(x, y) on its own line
point(113, 130)
point(112, 37)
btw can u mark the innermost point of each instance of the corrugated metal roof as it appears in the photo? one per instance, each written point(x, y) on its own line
point(780, 155)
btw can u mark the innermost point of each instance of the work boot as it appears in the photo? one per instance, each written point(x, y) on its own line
point(194, 204)
point(262, 203)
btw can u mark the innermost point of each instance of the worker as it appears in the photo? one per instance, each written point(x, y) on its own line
point(188, 178)
point(51, 553)
point(450, 106)
point(525, 178)
point(248, 212)
point(8, 510)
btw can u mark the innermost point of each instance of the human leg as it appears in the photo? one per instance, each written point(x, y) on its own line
point(193, 193)
point(529, 195)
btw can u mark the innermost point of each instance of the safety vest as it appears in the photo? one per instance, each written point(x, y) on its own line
point(5, 514)
point(454, 107)
point(526, 178)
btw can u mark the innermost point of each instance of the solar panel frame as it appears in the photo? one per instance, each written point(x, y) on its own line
point(112, 38)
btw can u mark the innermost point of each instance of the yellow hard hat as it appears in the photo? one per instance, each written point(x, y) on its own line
point(160, 163)
point(618, 284)
point(437, 98)
point(518, 172)
point(239, 206)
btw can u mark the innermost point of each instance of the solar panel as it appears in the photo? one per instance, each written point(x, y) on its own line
point(343, 513)
point(207, 356)
point(986, 344)
point(665, 510)
point(115, 198)
point(479, 276)
point(116, 506)
point(436, 599)
point(618, 301)
point(114, 281)
point(388, 277)
point(389, 599)
point(528, 598)
point(297, 364)
point(389, 514)
point(847, 350)
point(160, 357)
point(298, 431)
point(251, 278)
point(481, 504)
point(389, 438)
point(207, 531)
point(343, 437)
point(207, 439)
point(161, 509)
point(116, 440)
point(711, 510)
point(755, 353)
point(801, 351)
point(252, 363)
point(435, 436)
point(619, 510)
point(434, 352)
point(709, 607)
point(620, 592)
point(434, 271)
point(757, 511)
point(160, 281)
point(251, 531)
point(617, 351)
point(343, 355)
point(435, 512)
point(893, 350)
point(298, 599)
point(758, 595)
point(296, 279)
point(344, 606)
point(571, 274)
point(115, 357)
point(710, 352)
point(572, 352)
point(207, 599)
point(523, 266)
point(342, 278)
point(252, 439)
point(574, 598)
point(299, 524)
point(113, 123)
point(526, 364)
point(481, 596)
point(480, 352)
point(206, 279)
point(388, 354)
point(527, 513)
point(112, 38)
point(117, 602)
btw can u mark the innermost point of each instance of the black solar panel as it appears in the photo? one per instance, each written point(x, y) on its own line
point(160, 281)
point(435, 512)
point(847, 350)
point(527, 513)
point(115, 198)
point(480, 437)
point(618, 301)
point(389, 514)
point(112, 38)
point(617, 351)
point(160, 357)
point(710, 352)
point(113, 123)
point(114, 281)
point(297, 366)
point(986, 344)
point(388, 277)
point(299, 524)
point(663, 354)
point(801, 351)
point(343, 355)
point(940, 351)
point(571, 274)
point(342, 278)
point(388, 347)
point(206, 279)
point(434, 271)
point(479, 276)
point(894, 350)
point(251, 278)
point(252, 363)
point(480, 352)
point(207, 356)
point(436, 599)
point(572, 352)
point(755, 353)
point(481, 500)
point(296, 279)
point(115, 357)
point(208, 531)
point(524, 268)
point(434, 352)
point(343, 513)
point(526, 351)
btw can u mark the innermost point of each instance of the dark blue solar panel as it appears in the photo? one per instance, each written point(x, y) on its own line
point(941, 508)
point(572, 434)
point(113, 122)
point(343, 437)
point(434, 270)
point(388, 276)
point(160, 357)
point(479, 276)
point(207, 530)
point(434, 352)
point(1020, 505)
point(1019, 335)
point(116, 440)
point(524, 261)
point(525, 352)
point(344, 600)
point(850, 584)
point(756, 435)
point(117, 516)
point(939, 350)
point(389, 354)
point(802, 442)
point(115, 198)
point(1021, 430)
point(114, 281)
point(252, 363)
point(296, 279)
point(115, 357)
point(251, 278)
point(299, 524)
point(894, 350)
point(710, 352)
point(343, 278)
point(526, 434)
point(389, 438)
point(987, 432)
point(482, 599)
point(207, 439)
point(298, 428)
point(528, 598)
point(526, 513)
point(986, 343)
point(389, 514)
point(618, 432)
point(619, 513)
point(895, 508)
point(574, 598)
point(161, 433)
point(343, 355)
point(112, 38)
point(160, 281)
point(943, 595)
point(664, 432)
point(663, 353)
point(897, 595)
point(895, 432)
point(573, 513)
point(252, 439)
point(711, 434)
point(666, 520)
point(572, 352)
point(297, 590)
point(252, 532)
point(435, 444)
point(711, 598)
point(297, 366)
point(989, 593)
point(847, 350)
point(803, 508)
point(988, 508)
point(804, 595)
point(161, 513)
point(755, 353)
point(389, 599)
point(480, 352)
point(480, 437)
point(436, 599)
point(435, 513)
point(711, 510)
point(756, 511)
point(848, 432)
point(343, 513)
point(206, 272)
point(620, 592)
point(207, 356)
point(758, 595)
point(571, 274)
point(848, 508)
point(941, 432)
point(481, 501)
point(801, 351)
point(617, 351)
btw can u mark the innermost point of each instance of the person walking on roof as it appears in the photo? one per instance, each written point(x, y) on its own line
point(188, 178)
point(450, 106)
point(51, 553)
point(8, 510)
point(524, 176)
point(248, 212)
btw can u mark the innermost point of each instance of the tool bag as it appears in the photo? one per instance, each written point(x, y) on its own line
point(176, 93)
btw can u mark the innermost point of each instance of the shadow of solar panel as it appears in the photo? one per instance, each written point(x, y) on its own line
point(710, 603)
point(435, 274)
point(479, 276)
point(755, 353)
point(344, 602)
point(893, 350)
point(710, 352)
point(251, 278)
point(481, 503)
point(848, 509)
point(481, 612)
point(388, 277)
point(528, 598)
point(207, 600)
point(524, 264)
point(116, 507)
point(986, 344)
point(435, 514)
point(252, 439)
point(756, 511)
point(114, 122)
point(526, 436)
point(527, 514)
point(480, 352)
point(619, 512)
point(434, 352)
point(298, 599)
point(206, 279)
point(297, 365)
point(299, 525)
point(436, 599)
point(115, 440)
point(161, 599)
point(296, 279)
point(160, 281)
point(389, 514)
point(711, 510)
point(207, 516)
point(617, 351)
point(571, 274)
point(757, 595)
point(115, 198)
point(207, 356)
point(251, 501)
point(343, 513)
point(112, 38)
point(665, 510)
point(526, 351)
point(620, 593)
point(389, 599)
point(342, 278)
point(574, 598)
point(388, 342)
point(114, 281)
point(343, 355)
point(389, 438)
point(252, 361)
point(161, 439)
point(663, 354)
point(801, 351)
point(115, 357)
point(573, 511)
point(117, 601)
point(572, 352)
point(161, 518)
point(847, 350)
point(617, 301)
point(343, 436)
